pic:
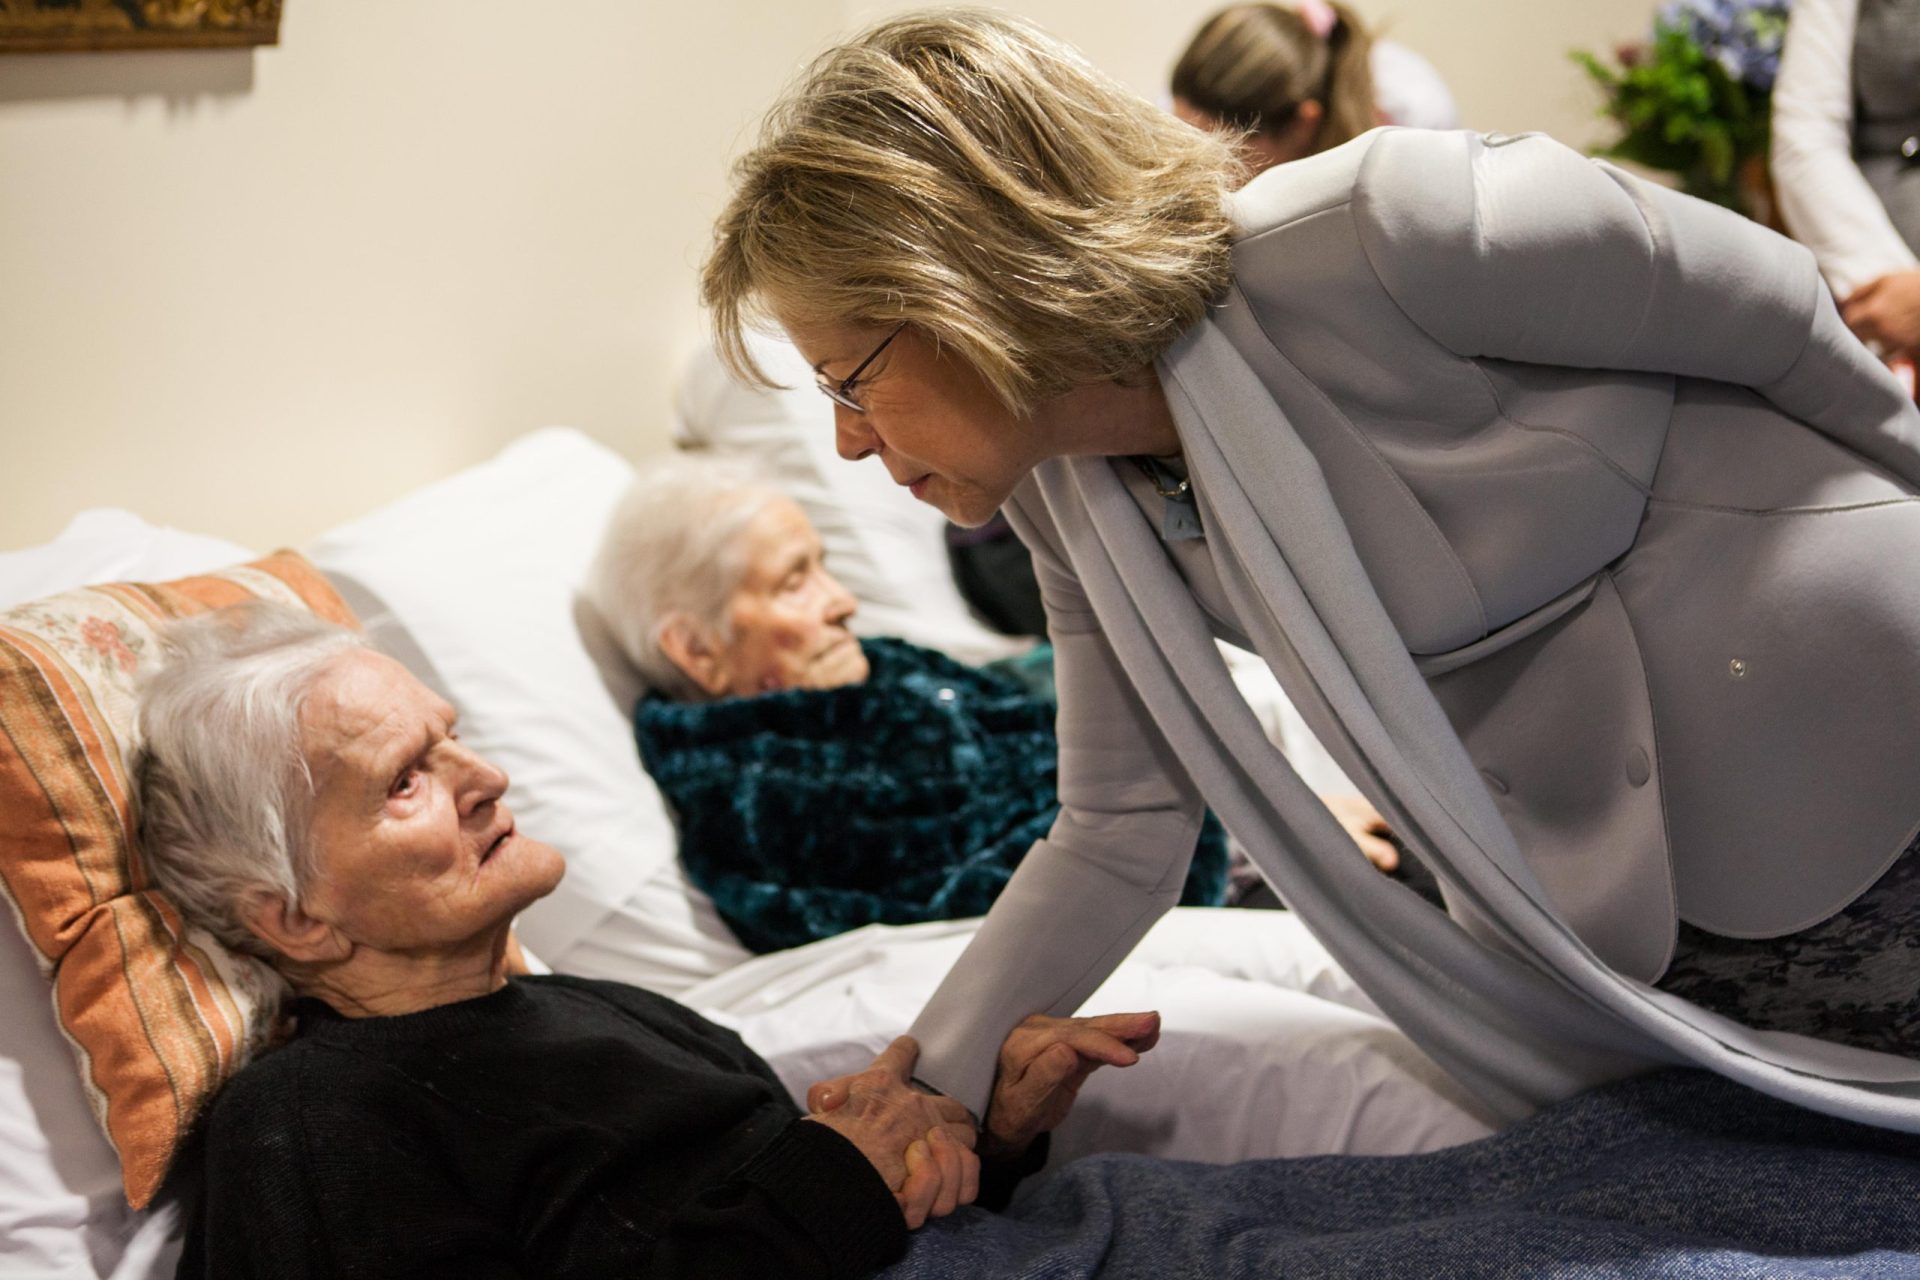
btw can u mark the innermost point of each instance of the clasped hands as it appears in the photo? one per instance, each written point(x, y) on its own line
point(925, 1145)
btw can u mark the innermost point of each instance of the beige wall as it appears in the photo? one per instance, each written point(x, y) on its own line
point(255, 293)
point(1505, 60)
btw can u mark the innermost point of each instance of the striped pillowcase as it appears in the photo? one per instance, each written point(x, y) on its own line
point(158, 1013)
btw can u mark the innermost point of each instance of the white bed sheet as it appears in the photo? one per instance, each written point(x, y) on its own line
point(1267, 1048)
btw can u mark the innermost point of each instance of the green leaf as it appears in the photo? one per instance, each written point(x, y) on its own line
point(1677, 110)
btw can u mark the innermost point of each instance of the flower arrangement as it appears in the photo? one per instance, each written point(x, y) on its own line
point(1694, 98)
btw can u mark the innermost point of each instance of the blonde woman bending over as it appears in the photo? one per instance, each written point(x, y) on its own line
point(1564, 507)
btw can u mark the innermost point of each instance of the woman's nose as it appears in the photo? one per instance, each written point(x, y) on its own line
point(852, 436)
point(840, 602)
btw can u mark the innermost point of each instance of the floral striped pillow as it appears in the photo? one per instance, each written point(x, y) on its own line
point(159, 1014)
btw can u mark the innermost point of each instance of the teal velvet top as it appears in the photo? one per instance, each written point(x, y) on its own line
point(910, 797)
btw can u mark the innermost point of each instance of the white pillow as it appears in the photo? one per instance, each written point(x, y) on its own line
point(63, 1212)
point(109, 545)
point(886, 547)
point(472, 583)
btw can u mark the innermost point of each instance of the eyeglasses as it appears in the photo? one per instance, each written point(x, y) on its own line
point(841, 392)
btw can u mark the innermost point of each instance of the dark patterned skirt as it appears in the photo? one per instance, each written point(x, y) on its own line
point(1853, 978)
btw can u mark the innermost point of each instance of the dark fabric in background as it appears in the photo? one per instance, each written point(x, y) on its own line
point(994, 572)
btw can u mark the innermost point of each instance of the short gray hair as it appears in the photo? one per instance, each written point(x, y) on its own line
point(226, 796)
point(673, 547)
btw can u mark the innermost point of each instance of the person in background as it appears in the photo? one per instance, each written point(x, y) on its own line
point(1297, 84)
point(820, 782)
point(1299, 80)
point(1846, 161)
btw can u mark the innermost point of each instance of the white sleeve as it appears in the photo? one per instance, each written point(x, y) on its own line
point(1409, 90)
point(1824, 198)
point(1522, 249)
point(1113, 863)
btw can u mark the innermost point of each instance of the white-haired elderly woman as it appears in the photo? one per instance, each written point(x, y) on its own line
point(1565, 508)
point(307, 800)
point(821, 782)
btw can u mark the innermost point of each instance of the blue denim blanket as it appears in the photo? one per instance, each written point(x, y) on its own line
point(909, 797)
point(1680, 1174)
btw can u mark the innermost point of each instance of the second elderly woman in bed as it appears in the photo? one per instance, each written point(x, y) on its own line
point(307, 800)
point(821, 782)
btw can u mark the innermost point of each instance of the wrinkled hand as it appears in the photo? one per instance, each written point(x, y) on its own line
point(920, 1143)
point(1043, 1063)
point(1369, 830)
point(1886, 313)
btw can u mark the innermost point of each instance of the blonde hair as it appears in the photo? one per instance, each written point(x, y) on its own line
point(968, 174)
point(1252, 65)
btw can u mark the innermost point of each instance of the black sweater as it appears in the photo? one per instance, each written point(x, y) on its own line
point(559, 1127)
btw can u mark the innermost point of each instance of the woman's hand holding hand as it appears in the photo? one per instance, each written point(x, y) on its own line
point(921, 1143)
point(1043, 1063)
point(1886, 313)
point(1369, 830)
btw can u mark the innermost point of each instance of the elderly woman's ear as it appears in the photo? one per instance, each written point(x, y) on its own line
point(290, 931)
point(696, 652)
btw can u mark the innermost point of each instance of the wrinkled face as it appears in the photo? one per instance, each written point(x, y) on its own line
point(930, 419)
point(414, 850)
point(788, 617)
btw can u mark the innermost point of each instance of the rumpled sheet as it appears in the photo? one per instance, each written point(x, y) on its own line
point(1681, 1173)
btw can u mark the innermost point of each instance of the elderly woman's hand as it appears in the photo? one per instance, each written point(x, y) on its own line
point(1043, 1063)
point(1360, 820)
point(921, 1143)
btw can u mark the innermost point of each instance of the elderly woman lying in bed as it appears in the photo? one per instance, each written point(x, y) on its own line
point(822, 782)
point(309, 801)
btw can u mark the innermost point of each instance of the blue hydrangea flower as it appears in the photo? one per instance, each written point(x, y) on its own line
point(1742, 36)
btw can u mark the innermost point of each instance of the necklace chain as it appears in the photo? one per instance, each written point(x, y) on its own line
point(1157, 475)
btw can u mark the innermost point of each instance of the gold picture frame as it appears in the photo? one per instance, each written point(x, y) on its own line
point(70, 26)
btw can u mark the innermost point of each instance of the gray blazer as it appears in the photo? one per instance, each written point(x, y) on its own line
point(1581, 531)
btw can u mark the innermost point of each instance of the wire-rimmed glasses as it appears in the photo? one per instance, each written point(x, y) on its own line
point(841, 391)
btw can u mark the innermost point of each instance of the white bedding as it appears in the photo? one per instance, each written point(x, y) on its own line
point(1268, 1049)
point(62, 1212)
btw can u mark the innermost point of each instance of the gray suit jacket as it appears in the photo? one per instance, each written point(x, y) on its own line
point(1506, 465)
